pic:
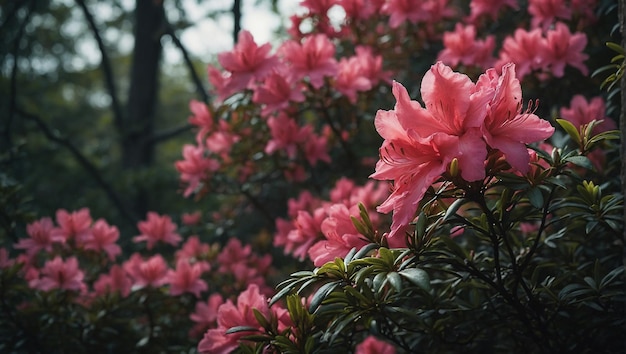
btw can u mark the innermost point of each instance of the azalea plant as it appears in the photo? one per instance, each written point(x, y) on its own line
point(417, 176)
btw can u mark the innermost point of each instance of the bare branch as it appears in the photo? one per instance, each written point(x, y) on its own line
point(105, 64)
point(169, 30)
point(170, 133)
point(84, 162)
point(236, 19)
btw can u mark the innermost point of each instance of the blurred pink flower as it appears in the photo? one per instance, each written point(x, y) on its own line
point(582, 112)
point(104, 238)
point(115, 280)
point(205, 314)
point(151, 272)
point(247, 62)
point(286, 135)
point(5, 260)
point(489, 8)
point(316, 149)
point(276, 91)
point(186, 278)
point(229, 315)
point(351, 78)
point(561, 48)
point(522, 49)
point(193, 250)
point(157, 229)
point(314, 57)
point(191, 219)
point(358, 10)
point(74, 226)
point(201, 118)
point(400, 11)
point(41, 237)
point(319, 7)
point(462, 47)
point(545, 12)
point(194, 167)
point(340, 235)
point(373, 345)
point(57, 274)
point(506, 127)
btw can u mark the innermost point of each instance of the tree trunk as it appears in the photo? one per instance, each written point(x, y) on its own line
point(138, 127)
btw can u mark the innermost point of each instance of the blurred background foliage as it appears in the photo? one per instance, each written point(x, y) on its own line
point(61, 141)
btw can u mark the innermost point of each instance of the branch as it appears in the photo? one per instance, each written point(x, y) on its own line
point(169, 30)
point(13, 82)
point(166, 134)
point(236, 20)
point(105, 64)
point(84, 162)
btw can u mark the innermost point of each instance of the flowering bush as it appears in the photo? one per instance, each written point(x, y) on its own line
point(486, 224)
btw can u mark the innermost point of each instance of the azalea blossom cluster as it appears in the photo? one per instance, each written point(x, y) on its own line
point(322, 230)
point(82, 257)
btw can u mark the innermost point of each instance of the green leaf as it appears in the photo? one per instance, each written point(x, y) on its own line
point(571, 130)
point(418, 277)
point(321, 294)
point(238, 329)
point(394, 279)
point(453, 208)
point(581, 161)
point(535, 197)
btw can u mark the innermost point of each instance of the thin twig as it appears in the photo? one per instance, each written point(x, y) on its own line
point(105, 64)
point(84, 162)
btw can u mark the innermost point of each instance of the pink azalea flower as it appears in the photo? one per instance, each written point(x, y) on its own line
point(5, 260)
point(373, 345)
point(286, 135)
point(193, 250)
point(152, 272)
point(247, 62)
point(561, 48)
point(276, 91)
point(219, 80)
point(582, 112)
point(313, 58)
point(316, 149)
point(115, 281)
point(341, 235)
point(104, 238)
point(246, 267)
point(57, 274)
point(461, 46)
point(305, 201)
point(191, 219)
point(186, 278)
point(544, 12)
point(308, 230)
point(400, 11)
point(506, 127)
point(194, 167)
point(229, 315)
point(351, 78)
point(490, 8)
point(371, 65)
point(75, 225)
point(522, 49)
point(222, 140)
point(358, 10)
point(201, 118)
point(319, 7)
point(157, 229)
point(205, 314)
point(41, 237)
